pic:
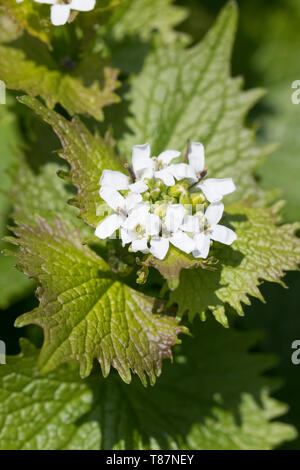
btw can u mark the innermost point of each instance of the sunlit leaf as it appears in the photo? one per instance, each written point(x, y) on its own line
point(213, 397)
point(86, 312)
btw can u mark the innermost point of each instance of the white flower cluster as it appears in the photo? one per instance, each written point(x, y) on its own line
point(165, 203)
point(61, 9)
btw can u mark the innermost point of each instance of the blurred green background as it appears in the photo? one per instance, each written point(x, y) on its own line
point(266, 55)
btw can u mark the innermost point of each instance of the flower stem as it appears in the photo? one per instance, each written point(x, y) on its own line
point(187, 150)
point(202, 175)
point(131, 172)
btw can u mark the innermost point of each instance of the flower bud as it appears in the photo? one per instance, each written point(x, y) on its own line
point(160, 184)
point(178, 189)
point(142, 275)
point(197, 199)
point(154, 194)
point(160, 209)
point(149, 182)
point(146, 196)
point(185, 198)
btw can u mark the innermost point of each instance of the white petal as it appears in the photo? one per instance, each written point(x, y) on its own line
point(49, 2)
point(182, 241)
point(60, 14)
point(109, 225)
point(202, 245)
point(140, 245)
point(112, 198)
point(153, 225)
point(114, 179)
point(141, 159)
point(159, 247)
point(190, 224)
point(174, 217)
point(226, 186)
point(138, 187)
point(127, 236)
point(214, 213)
point(197, 157)
point(132, 200)
point(167, 156)
point(223, 234)
point(137, 217)
point(214, 189)
point(130, 223)
point(165, 176)
point(141, 212)
point(83, 5)
point(181, 171)
point(210, 190)
point(147, 173)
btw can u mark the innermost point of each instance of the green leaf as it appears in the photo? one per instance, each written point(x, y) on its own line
point(263, 251)
point(9, 139)
point(9, 31)
point(87, 155)
point(28, 15)
point(20, 73)
point(60, 411)
point(86, 312)
point(43, 195)
point(142, 17)
point(58, 399)
point(13, 284)
point(172, 265)
point(188, 93)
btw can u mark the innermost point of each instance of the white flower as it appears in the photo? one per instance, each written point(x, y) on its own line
point(142, 163)
point(139, 226)
point(118, 181)
point(61, 9)
point(172, 233)
point(114, 179)
point(148, 209)
point(211, 230)
point(213, 189)
point(146, 167)
point(122, 207)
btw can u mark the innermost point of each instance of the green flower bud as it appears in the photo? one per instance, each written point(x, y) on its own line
point(160, 209)
point(146, 196)
point(197, 199)
point(174, 191)
point(154, 194)
point(178, 189)
point(149, 183)
point(169, 199)
point(160, 184)
point(185, 198)
point(142, 275)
